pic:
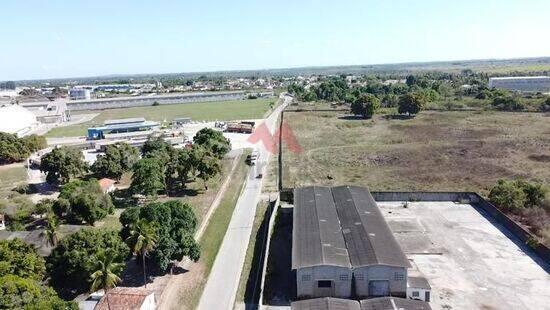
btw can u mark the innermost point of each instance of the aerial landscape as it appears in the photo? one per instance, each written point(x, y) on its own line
point(290, 155)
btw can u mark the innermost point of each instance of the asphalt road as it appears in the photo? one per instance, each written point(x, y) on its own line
point(223, 282)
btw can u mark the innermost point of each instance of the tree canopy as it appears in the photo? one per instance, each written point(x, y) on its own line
point(213, 141)
point(411, 103)
point(366, 105)
point(22, 293)
point(148, 177)
point(62, 164)
point(14, 149)
point(118, 158)
point(72, 263)
point(175, 224)
point(20, 259)
point(84, 201)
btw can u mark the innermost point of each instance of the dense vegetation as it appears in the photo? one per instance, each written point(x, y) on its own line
point(14, 149)
point(63, 164)
point(118, 158)
point(21, 273)
point(83, 201)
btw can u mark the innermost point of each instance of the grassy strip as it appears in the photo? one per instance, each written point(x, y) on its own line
point(219, 110)
point(248, 291)
point(215, 231)
point(10, 178)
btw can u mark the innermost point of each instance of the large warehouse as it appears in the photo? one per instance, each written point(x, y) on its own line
point(380, 303)
point(16, 120)
point(521, 83)
point(338, 231)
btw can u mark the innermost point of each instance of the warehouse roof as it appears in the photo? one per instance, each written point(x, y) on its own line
point(341, 226)
point(368, 237)
point(317, 237)
point(418, 282)
point(393, 303)
point(326, 303)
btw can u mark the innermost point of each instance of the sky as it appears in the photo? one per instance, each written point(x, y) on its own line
point(58, 39)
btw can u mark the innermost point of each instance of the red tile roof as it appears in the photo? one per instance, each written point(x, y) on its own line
point(123, 298)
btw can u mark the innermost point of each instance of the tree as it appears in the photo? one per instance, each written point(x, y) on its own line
point(411, 103)
point(213, 141)
point(508, 103)
point(15, 149)
point(20, 259)
point(155, 144)
point(62, 164)
point(148, 177)
point(142, 240)
point(176, 225)
point(507, 195)
point(118, 158)
point(535, 193)
point(208, 167)
point(71, 263)
point(366, 105)
point(51, 233)
point(86, 200)
point(545, 106)
point(106, 271)
point(22, 293)
point(445, 90)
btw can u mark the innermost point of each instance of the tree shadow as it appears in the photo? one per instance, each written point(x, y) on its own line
point(353, 117)
point(398, 117)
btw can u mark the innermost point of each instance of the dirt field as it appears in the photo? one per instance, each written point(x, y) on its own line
point(438, 151)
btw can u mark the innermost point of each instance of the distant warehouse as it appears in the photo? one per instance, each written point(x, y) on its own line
point(521, 83)
point(338, 234)
point(124, 126)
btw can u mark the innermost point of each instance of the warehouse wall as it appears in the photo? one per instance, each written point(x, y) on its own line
point(307, 280)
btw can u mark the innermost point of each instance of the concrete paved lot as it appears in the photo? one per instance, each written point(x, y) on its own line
point(470, 261)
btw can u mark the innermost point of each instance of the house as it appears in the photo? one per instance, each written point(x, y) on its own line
point(127, 298)
point(418, 288)
point(326, 303)
point(319, 253)
point(107, 185)
point(393, 303)
point(340, 238)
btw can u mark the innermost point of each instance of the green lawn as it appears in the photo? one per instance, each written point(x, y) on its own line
point(220, 110)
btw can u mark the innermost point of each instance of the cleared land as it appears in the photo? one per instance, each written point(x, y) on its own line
point(10, 177)
point(220, 110)
point(470, 261)
point(435, 151)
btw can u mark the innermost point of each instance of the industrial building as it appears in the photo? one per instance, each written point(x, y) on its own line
point(80, 94)
point(17, 120)
point(380, 303)
point(521, 83)
point(138, 126)
point(339, 232)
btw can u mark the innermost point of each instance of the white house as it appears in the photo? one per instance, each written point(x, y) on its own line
point(127, 298)
point(418, 288)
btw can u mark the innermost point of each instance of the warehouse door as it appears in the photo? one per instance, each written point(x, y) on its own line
point(325, 288)
point(379, 288)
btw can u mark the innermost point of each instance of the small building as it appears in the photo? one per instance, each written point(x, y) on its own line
point(121, 126)
point(127, 298)
point(2, 222)
point(326, 303)
point(393, 303)
point(418, 288)
point(49, 112)
point(521, 83)
point(80, 94)
point(319, 253)
point(107, 185)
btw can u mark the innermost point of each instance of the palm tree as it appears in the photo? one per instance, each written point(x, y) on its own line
point(106, 271)
point(143, 239)
point(51, 233)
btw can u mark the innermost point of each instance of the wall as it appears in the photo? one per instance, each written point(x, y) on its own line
point(308, 288)
point(380, 272)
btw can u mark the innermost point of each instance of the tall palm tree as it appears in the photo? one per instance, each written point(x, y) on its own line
point(143, 239)
point(106, 271)
point(51, 232)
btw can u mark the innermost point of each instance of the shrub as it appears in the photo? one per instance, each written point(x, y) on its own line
point(508, 103)
point(506, 195)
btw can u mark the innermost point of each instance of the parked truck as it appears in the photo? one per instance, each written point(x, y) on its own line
point(242, 127)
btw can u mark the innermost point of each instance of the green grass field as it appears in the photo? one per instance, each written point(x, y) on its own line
point(220, 110)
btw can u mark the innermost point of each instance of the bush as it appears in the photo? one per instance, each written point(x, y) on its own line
point(545, 105)
point(21, 293)
point(86, 201)
point(508, 103)
point(506, 195)
point(21, 259)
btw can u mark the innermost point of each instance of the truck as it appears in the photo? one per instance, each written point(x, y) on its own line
point(239, 127)
point(252, 158)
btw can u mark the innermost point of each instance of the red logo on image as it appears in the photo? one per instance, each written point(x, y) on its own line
point(271, 142)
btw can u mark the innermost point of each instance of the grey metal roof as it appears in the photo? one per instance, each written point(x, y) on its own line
point(368, 237)
point(317, 238)
point(418, 282)
point(124, 121)
point(326, 303)
point(393, 303)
